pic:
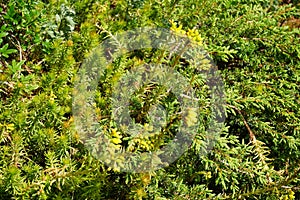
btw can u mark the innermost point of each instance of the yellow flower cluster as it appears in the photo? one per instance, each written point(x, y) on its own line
point(143, 143)
point(193, 34)
point(116, 137)
point(115, 160)
point(176, 29)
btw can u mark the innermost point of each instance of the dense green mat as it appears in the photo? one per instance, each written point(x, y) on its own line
point(256, 47)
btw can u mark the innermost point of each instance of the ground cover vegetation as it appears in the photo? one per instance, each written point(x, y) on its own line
point(256, 47)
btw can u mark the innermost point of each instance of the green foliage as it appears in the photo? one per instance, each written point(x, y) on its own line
point(4, 49)
point(64, 23)
point(43, 44)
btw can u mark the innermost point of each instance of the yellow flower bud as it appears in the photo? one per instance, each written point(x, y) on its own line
point(116, 140)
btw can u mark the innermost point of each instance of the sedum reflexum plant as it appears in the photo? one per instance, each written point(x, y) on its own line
point(254, 44)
